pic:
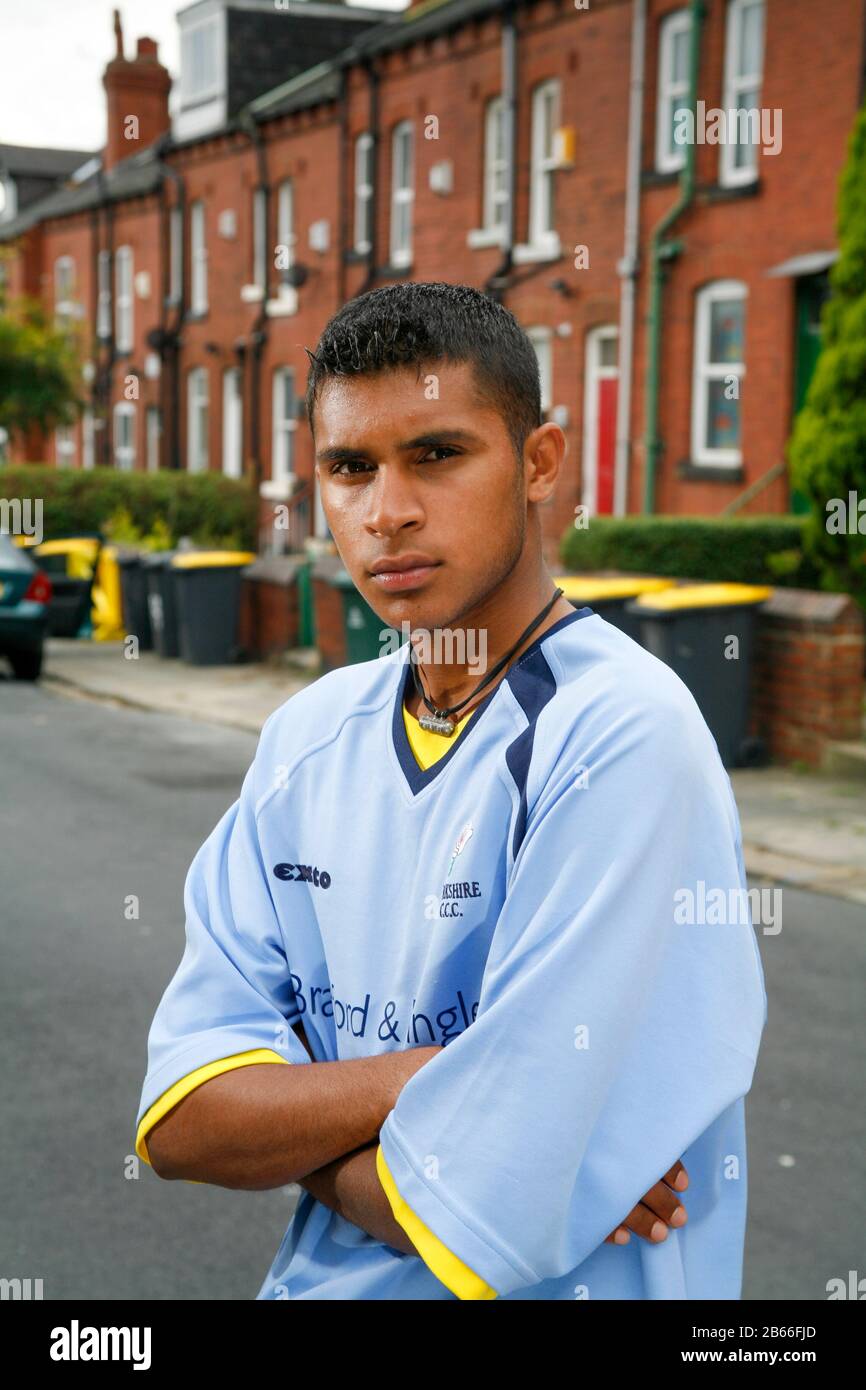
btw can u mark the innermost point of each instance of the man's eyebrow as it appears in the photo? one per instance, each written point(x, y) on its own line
point(430, 440)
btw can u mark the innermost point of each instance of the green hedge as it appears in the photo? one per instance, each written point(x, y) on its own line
point(207, 507)
point(747, 550)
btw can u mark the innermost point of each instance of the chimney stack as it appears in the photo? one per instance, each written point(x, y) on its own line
point(136, 92)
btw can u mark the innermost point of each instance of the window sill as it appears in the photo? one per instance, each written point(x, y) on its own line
point(479, 238)
point(526, 252)
point(659, 178)
point(355, 257)
point(689, 471)
point(195, 315)
point(393, 272)
point(725, 193)
point(283, 306)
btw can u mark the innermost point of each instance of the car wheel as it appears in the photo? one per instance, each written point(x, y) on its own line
point(27, 666)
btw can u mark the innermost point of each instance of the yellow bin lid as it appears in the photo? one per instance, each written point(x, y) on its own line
point(72, 545)
point(705, 596)
point(576, 587)
point(212, 559)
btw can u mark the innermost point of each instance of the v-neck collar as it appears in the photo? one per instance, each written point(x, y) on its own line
point(418, 777)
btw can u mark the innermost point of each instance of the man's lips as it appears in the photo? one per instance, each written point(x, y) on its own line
point(403, 572)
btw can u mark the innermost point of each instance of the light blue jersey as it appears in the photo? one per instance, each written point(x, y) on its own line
point(535, 902)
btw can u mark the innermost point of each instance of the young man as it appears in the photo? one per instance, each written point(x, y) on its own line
point(465, 938)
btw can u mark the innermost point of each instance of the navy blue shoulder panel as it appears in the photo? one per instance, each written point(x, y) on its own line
point(533, 684)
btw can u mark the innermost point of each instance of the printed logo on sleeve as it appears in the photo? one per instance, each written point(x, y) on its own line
point(303, 873)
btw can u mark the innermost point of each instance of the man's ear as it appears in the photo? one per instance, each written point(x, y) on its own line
point(545, 451)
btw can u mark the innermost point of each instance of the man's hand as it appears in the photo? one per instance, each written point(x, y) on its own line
point(656, 1210)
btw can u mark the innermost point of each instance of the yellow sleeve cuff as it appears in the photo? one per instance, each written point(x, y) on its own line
point(449, 1270)
point(170, 1098)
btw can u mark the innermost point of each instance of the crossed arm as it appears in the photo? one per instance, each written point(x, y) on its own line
point(265, 1126)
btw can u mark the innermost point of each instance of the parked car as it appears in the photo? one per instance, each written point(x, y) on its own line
point(25, 593)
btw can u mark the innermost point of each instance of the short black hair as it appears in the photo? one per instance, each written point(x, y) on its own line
point(421, 323)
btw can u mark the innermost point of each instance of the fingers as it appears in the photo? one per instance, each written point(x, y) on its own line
point(658, 1210)
point(677, 1177)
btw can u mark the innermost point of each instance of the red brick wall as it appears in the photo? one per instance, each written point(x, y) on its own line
point(269, 620)
point(808, 678)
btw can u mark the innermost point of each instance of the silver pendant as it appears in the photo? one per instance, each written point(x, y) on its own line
point(436, 724)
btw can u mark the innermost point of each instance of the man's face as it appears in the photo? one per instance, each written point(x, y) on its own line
point(432, 481)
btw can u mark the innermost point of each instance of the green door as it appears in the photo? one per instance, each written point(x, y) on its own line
point(812, 291)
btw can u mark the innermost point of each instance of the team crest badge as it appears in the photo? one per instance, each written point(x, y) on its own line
point(465, 834)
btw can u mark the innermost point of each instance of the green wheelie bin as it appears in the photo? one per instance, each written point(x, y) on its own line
point(361, 625)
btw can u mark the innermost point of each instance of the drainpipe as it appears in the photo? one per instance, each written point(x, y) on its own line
point(103, 450)
point(373, 81)
point(660, 252)
point(496, 283)
point(342, 201)
point(628, 266)
point(258, 334)
point(170, 338)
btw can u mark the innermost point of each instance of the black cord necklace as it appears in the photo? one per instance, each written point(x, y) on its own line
point(438, 721)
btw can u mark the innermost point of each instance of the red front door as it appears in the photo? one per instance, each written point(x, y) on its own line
point(605, 443)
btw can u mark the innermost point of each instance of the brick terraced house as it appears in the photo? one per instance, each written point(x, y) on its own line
point(669, 264)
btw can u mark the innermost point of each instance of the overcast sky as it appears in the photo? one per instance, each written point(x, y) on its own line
point(52, 57)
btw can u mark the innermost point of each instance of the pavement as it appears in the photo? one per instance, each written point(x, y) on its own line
point(800, 827)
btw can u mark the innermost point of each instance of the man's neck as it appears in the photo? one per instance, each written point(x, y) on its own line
point(447, 684)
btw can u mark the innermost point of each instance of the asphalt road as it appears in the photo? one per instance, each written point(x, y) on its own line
point(99, 802)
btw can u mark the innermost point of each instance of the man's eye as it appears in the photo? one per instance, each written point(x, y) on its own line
point(352, 465)
point(441, 449)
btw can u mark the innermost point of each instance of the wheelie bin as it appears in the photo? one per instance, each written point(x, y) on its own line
point(208, 590)
point(705, 632)
point(608, 596)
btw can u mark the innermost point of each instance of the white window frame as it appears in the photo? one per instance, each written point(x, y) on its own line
point(541, 338)
point(734, 85)
point(363, 192)
point(64, 289)
point(704, 371)
point(286, 234)
point(197, 87)
point(321, 529)
point(495, 212)
point(197, 409)
point(198, 258)
point(124, 327)
point(175, 255)
point(10, 200)
point(670, 156)
point(65, 446)
point(283, 429)
point(402, 198)
point(232, 447)
point(88, 440)
point(124, 452)
point(260, 238)
point(543, 162)
point(152, 437)
point(103, 295)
